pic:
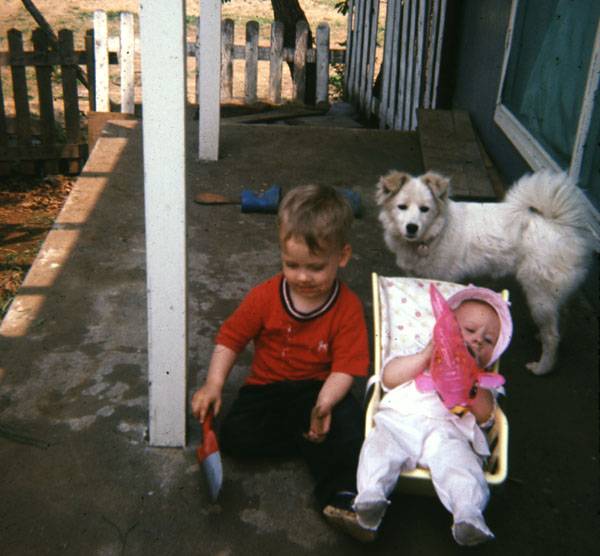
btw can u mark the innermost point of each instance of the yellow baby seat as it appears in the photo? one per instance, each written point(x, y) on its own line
point(397, 301)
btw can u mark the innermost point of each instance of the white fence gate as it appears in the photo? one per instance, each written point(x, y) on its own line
point(409, 60)
point(127, 46)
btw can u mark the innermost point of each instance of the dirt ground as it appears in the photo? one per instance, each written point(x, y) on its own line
point(77, 15)
point(28, 207)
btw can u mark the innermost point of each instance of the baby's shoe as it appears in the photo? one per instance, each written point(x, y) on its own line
point(340, 514)
point(471, 531)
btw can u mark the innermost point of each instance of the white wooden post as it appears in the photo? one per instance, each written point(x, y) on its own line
point(322, 93)
point(250, 85)
point(275, 56)
point(101, 57)
point(127, 49)
point(162, 31)
point(208, 56)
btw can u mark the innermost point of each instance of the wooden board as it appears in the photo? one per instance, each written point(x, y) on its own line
point(449, 146)
point(97, 121)
point(274, 114)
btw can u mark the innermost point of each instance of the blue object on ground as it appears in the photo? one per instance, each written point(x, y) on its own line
point(267, 202)
point(354, 199)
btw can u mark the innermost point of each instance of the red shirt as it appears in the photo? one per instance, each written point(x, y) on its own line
point(289, 345)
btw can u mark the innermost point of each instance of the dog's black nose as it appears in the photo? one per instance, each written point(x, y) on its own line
point(411, 229)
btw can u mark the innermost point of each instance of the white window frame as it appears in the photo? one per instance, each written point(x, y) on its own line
point(527, 145)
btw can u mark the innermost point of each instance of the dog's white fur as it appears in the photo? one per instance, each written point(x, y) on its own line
point(542, 233)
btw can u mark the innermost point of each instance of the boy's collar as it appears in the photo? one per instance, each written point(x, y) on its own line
point(288, 305)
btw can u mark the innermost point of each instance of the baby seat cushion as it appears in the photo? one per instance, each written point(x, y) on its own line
point(407, 318)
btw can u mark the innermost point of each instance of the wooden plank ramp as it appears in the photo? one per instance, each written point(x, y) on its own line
point(449, 146)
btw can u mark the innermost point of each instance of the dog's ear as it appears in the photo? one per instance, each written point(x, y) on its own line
point(389, 185)
point(437, 183)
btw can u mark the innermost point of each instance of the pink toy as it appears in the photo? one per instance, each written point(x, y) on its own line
point(454, 372)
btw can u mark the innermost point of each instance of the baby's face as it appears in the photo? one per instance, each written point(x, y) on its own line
point(480, 328)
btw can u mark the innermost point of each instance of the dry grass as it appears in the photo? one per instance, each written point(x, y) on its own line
point(77, 15)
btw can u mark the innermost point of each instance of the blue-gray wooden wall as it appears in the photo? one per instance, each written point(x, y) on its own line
point(479, 50)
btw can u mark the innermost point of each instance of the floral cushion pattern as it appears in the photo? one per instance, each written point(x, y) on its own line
point(406, 315)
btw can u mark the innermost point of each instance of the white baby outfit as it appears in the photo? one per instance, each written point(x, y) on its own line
point(413, 428)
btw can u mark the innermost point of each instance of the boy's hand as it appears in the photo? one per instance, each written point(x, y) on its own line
point(333, 390)
point(202, 400)
point(221, 362)
point(320, 421)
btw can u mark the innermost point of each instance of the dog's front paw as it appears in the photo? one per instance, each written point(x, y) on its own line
point(538, 369)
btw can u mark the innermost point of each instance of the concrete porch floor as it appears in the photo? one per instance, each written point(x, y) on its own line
point(78, 475)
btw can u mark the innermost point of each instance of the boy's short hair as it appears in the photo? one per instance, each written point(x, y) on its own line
point(317, 214)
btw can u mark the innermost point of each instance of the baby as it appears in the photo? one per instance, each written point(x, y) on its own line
point(414, 428)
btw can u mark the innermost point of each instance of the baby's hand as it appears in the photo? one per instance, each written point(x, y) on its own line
point(428, 351)
point(320, 421)
point(202, 400)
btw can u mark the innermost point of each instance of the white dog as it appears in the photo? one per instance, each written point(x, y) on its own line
point(543, 233)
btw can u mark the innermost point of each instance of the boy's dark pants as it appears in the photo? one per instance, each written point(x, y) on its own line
point(269, 421)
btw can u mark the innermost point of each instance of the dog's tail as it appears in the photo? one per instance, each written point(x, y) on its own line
point(556, 197)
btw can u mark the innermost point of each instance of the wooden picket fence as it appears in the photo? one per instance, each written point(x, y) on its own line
point(323, 56)
point(411, 53)
point(36, 137)
point(122, 49)
point(32, 139)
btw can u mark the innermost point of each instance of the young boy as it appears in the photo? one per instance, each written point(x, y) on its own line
point(414, 428)
point(310, 341)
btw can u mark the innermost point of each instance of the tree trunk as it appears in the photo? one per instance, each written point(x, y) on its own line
point(289, 12)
